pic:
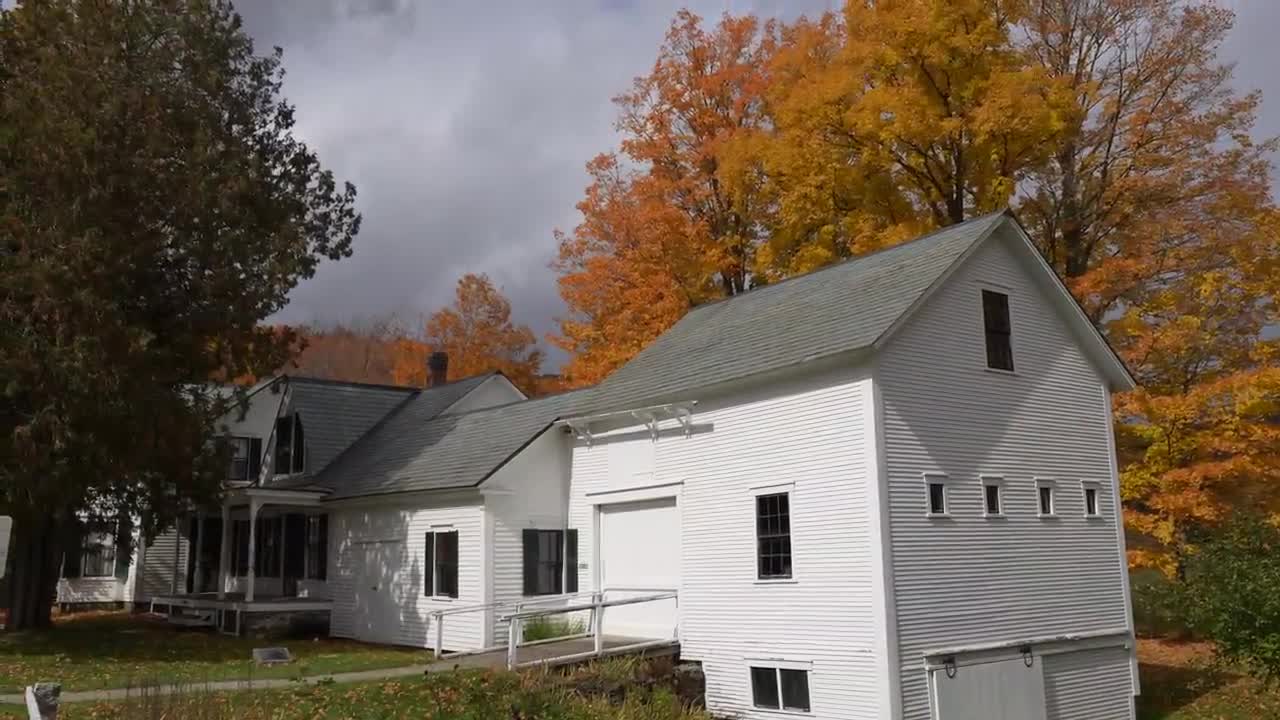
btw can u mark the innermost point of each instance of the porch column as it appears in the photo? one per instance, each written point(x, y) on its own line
point(254, 506)
point(224, 551)
point(198, 550)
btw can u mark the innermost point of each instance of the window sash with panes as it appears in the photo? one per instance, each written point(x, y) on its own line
point(238, 471)
point(780, 688)
point(550, 561)
point(773, 536)
point(441, 551)
point(266, 556)
point(98, 553)
point(291, 446)
point(998, 329)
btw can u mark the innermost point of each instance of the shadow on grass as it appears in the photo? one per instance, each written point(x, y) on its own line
point(1169, 688)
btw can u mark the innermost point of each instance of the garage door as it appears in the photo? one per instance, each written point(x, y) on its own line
point(640, 551)
point(1005, 690)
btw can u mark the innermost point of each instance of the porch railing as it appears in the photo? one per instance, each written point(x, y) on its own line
point(515, 613)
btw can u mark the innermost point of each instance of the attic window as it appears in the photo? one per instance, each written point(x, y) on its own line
point(291, 447)
point(999, 331)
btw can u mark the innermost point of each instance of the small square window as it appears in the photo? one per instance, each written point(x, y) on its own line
point(991, 498)
point(780, 688)
point(1044, 494)
point(937, 497)
point(1090, 501)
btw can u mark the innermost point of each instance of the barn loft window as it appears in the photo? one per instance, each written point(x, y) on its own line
point(1090, 500)
point(780, 688)
point(995, 319)
point(992, 497)
point(550, 562)
point(1044, 498)
point(441, 564)
point(773, 536)
point(291, 446)
point(936, 489)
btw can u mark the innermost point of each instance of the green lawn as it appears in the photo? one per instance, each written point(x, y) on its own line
point(589, 693)
point(108, 650)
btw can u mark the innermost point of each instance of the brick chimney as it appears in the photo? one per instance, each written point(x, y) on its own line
point(437, 369)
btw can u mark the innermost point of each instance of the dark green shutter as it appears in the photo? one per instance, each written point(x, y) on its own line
point(323, 568)
point(73, 551)
point(530, 542)
point(255, 459)
point(571, 561)
point(299, 445)
point(124, 548)
point(295, 545)
point(429, 574)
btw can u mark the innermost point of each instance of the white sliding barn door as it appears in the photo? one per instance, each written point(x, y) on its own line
point(1005, 690)
point(640, 553)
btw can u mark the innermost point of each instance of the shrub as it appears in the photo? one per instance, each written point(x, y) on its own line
point(1159, 605)
point(547, 628)
point(1233, 594)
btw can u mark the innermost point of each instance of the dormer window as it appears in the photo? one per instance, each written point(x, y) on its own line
point(999, 331)
point(239, 468)
point(291, 447)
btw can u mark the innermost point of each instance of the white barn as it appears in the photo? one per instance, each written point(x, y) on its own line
point(886, 489)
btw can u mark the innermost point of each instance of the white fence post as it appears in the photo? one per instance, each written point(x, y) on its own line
point(513, 636)
point(439, 641)
point(598, 630)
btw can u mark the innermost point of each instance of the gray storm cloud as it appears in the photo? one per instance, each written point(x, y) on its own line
point(466, 125)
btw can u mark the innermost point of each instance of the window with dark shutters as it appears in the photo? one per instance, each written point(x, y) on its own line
point(543, 562)
point(999, 331)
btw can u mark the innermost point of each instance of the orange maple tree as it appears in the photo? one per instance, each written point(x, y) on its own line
point(754, 151)
point(478, 334)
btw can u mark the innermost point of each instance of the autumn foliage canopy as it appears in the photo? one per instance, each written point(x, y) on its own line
point(755, 150)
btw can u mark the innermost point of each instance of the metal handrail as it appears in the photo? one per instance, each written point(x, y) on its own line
point(519, 613)
point(439, 615)
point(515, 621)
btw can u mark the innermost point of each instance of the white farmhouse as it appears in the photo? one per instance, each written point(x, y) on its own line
point(886, 489)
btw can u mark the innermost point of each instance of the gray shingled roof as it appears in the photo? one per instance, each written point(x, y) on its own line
point(840, 308)
point(411, 452)
point(336, 414)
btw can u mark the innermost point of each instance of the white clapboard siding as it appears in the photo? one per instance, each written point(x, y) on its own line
point(1088, 685)
point(350, 528)
point(969, 579)
point(92, 590)
point(164, 562)
point(808, 436)
point(528, 492)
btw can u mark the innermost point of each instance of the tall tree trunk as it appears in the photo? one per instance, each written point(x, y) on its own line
point(32, 578)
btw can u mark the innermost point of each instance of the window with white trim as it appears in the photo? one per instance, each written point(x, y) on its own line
point(998, 330)
point(238, 470)
point(441, 564)
point(773, 536)
point(1045, 501)
point(936, 501)
point(1090, 493)
point(992, 496)
point(778, 688)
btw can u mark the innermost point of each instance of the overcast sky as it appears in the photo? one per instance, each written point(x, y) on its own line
point(466, 126)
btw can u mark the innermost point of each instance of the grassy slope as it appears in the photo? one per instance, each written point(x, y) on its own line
point(1180, 683)
point(108, 650)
